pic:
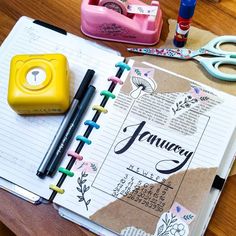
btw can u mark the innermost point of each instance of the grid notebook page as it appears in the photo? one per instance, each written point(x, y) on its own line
point(153, 150)
point(25, 139)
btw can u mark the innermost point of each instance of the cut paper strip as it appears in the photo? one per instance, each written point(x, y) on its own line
point(170, 225)
point(133, 231)
point(183, 213)
point(142, 81)
point(183, 103)
point(142, 9)
point(198, 93)
point(142, 72)
point(167, 81)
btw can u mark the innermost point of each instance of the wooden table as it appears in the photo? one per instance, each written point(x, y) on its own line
point(26, 219)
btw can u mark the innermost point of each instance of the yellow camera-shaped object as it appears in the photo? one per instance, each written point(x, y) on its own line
point(39, 84)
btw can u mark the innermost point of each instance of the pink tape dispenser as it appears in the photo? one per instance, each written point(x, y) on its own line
point(130, 21)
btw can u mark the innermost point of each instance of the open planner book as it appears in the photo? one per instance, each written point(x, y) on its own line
point(158, 162)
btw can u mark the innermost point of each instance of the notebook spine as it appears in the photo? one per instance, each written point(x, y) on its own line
point(92, 124)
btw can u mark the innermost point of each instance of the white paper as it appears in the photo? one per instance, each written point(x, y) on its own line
point(87, 193)
point(25, 139)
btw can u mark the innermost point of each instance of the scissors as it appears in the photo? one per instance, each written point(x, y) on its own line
point(211, 64)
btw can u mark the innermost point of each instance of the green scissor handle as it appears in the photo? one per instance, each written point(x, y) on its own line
point(212, 66)
point(214, 44)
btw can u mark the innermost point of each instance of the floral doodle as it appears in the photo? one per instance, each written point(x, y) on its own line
point(170, 225)
point(167, 226)
point(185, 104)
point(85, 166)
point(178, 230)
point(83, 189)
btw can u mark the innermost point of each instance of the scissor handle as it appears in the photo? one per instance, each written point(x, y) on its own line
point(212, 66)
point(214, 45)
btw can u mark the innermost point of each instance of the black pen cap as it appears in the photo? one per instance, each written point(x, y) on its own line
point(84, 84)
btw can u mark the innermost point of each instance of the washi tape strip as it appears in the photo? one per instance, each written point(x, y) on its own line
point(92, 123)
point(74, 154)
point(119, 6)
point(115, 80)
point(183, 213)
point(83, 139)
point(107, 94)
point(122, 65)
point(56, 189)
point(100, 108)
point(142, 9)
point(66, 171)
point(85, 166)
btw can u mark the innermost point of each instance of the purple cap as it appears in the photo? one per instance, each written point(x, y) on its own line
point(186, 9)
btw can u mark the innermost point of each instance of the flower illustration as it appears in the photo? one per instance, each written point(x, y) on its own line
point(178, 230)
point(87, 167)
point(170, 225)
point(186, 103)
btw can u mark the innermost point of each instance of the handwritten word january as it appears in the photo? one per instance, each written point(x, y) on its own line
point(154, 140)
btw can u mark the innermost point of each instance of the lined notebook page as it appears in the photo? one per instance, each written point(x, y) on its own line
point(123, 164)
point(25, 139)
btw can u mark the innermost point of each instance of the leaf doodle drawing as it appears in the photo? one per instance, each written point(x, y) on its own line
point(138, 72)
point(188, 217)
point(187, 103)
point(94, 167)
point(165, 228)
point(170, 225)
point(83, 189)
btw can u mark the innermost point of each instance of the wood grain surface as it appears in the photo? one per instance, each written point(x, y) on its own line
point(26, 219)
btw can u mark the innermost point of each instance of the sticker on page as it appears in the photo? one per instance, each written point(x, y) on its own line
point(183, 213)
point(170, 225)
point(142, 81)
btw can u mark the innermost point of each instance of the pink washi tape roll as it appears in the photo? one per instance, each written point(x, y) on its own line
point(119, 6)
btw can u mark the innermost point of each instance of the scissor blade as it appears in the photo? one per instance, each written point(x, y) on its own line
point(165, 52)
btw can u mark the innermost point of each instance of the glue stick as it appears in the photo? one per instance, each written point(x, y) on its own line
point(186, 11)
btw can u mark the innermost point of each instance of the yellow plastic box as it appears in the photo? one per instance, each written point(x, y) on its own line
point(39, 84)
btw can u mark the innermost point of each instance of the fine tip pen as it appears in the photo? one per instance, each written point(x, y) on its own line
point(41, 172)
point(59, 154)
